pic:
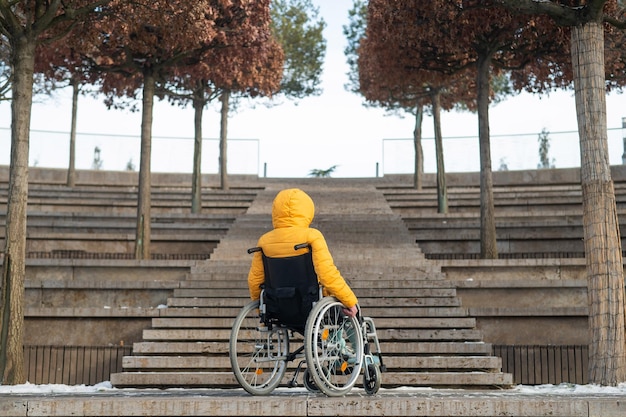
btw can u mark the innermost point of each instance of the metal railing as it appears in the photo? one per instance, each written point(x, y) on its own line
point(73, 365)
point(536, 365)
point(508, 152)
point(117, 151)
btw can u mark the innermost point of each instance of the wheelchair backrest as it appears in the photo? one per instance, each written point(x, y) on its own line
point(290, 290)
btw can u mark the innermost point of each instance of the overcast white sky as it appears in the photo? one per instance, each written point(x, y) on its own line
point(316, 133)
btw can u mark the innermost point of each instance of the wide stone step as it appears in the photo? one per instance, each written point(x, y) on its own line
point(377, 312)
point(466, 348)
point(227, 379)
point(356, 267)
point(450, 348)
point(392, 363)
point(206, 278)
point(226, 323)
point(373, 281)
point(350, 273)
point(365, 301)
point(391, 270)
point(362, 293)
point(383, 334)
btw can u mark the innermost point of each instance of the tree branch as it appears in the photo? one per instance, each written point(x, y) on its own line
point(564, 15)
point(51, 18)
point(620, 24)
point(10, 22)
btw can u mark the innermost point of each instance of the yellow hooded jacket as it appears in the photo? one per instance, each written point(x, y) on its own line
point(292, 214)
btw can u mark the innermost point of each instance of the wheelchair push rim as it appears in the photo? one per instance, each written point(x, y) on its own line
point(334, 347)
point(258, 356)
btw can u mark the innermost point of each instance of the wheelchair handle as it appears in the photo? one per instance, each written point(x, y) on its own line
point(296, 247)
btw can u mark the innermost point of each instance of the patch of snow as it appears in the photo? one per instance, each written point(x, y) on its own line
point(547, 389)
point(29, 388)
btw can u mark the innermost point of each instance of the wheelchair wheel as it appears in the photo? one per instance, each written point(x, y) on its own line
point(308, 382)
point(333, 347)
point(371, 379)
point(258, 356)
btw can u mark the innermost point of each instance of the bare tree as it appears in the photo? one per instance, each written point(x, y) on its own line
point(23, 24)
point(603, 249)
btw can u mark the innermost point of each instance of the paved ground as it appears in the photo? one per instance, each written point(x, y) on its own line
point(298, 402)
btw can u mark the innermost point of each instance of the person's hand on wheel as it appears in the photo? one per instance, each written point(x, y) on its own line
point(350, 312)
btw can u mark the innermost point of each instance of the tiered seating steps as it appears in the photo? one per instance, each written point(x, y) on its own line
point(532, 221)
point(99, 221)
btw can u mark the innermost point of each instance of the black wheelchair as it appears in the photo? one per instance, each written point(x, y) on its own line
point(335, 348)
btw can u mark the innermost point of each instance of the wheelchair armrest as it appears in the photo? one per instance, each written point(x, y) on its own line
point(302, 246)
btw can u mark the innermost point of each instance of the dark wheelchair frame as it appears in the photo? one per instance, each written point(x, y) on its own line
point(336, 348)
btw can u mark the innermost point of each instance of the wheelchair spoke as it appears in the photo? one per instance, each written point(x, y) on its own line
point(334, 348)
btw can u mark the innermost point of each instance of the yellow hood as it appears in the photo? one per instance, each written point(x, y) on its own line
point(292, 207)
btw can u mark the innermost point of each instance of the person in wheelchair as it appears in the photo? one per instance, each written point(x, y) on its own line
point(289, 266)
point(292, 213)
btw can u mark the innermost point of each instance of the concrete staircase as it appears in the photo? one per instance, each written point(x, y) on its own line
point(427, 337)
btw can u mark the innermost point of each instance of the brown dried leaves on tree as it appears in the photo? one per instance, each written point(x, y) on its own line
point(442, 40)
point(138, 45)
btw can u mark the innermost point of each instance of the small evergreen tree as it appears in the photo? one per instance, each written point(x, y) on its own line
point(544, 149)
point(322, 173)
point(97, 160)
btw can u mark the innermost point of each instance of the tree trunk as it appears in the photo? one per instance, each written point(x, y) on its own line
point(142, 239)
point(418, 173)
point(196, 180)
point(14, 265)
point(442, 191)
point(223, 140)
point(603, 250)
point(71, 170)
point(488, 245)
